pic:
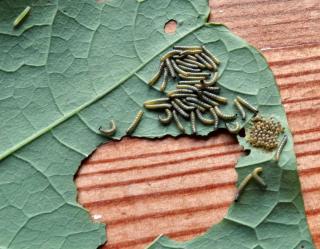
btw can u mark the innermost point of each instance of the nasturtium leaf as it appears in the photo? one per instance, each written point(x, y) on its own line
point(71, 67)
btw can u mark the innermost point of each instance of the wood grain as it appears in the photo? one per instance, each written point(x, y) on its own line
point(180, 187)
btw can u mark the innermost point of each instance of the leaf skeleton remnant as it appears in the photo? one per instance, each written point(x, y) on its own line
point(74, 65)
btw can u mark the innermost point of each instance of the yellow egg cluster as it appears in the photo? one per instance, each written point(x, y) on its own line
point(264, 133)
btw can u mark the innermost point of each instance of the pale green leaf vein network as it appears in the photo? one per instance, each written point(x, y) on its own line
point(41, 173)
point(83, 106)
point(68, 146)
point(256, 221)
point(87, 124)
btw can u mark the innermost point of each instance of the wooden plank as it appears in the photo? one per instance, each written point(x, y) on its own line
point(180, 187)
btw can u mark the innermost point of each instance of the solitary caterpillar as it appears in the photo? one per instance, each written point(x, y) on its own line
point(135, 122)
point(110, 131)
point(21, 17)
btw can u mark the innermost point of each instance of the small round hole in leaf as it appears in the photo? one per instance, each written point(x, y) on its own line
point(247, 152)
point(242, 133)
point(170, 27)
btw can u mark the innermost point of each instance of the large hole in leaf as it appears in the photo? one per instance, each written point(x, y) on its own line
point(174, 186)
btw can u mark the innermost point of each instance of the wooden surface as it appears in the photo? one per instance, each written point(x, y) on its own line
point(181, 187)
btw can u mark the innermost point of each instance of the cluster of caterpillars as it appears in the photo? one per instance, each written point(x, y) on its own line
point(196, 94)
point(196, 70)
point(187, 63)
point(196, 97)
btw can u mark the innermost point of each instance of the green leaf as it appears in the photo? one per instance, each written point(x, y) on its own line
point(74, 65)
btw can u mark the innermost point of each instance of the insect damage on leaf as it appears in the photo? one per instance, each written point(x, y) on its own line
point(108, 71)
point(195, 72)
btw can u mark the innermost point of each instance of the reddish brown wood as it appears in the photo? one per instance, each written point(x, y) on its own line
point(174, 186)
point(180, 187)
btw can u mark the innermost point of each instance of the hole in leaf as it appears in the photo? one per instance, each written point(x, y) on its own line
point(242, 133)
point(247, 152)
point(142, 188)
point(170, 27)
